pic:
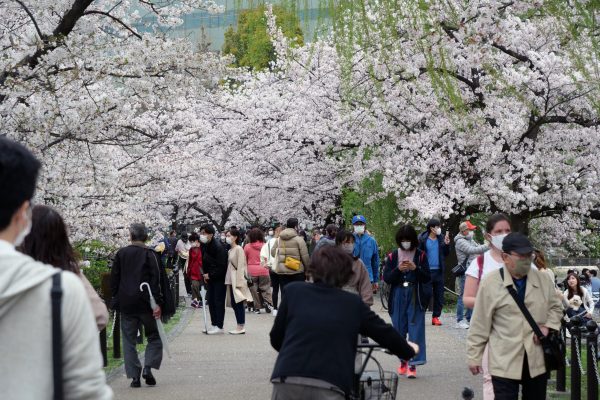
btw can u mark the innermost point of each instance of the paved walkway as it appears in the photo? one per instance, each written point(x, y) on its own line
point(238, 367)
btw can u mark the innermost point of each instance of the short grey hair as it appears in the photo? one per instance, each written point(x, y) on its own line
point(138, 232)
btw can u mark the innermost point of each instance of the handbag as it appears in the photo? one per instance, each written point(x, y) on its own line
point(460, 269)
point(553, 344)
point(291, 262)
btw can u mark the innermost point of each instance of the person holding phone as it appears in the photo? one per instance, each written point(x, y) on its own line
point(407, 272)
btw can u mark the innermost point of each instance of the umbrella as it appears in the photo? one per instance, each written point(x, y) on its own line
point(203, 295)
point(159, 325)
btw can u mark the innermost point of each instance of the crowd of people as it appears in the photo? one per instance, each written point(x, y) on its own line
point(312, 286)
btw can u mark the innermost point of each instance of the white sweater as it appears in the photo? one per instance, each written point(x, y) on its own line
point(26, 333)
point(588, 303)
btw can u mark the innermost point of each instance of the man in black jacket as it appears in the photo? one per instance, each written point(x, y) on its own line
point(133, 265)
point(214, 264)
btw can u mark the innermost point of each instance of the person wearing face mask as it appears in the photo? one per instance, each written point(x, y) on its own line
point(183, 247)
point(437, 248)
point(235, 281)
point(407, 272)
point(365, 247)
point(194, 269)
point(466, 251)
point(214, 263)
point(269, 261)
point(516, 357)
point(359, 282)
point(26, 312)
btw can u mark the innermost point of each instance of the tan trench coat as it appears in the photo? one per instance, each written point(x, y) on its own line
point(241, 292)
point(497, 320)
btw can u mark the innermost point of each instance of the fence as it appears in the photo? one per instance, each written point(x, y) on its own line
point(579, 330)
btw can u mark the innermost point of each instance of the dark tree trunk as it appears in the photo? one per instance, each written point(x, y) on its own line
point(520, 222)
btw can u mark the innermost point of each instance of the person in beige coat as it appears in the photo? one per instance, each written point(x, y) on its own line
point(290, 246)
point(515, 355)
point(235, 281)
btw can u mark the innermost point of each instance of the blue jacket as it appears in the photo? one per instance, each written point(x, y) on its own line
point(444, 249)
point(366, 248)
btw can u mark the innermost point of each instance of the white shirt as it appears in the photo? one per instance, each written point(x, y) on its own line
point(489, 265)
point(6, 247)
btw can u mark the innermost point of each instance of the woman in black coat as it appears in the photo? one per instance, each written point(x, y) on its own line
point(317, 328)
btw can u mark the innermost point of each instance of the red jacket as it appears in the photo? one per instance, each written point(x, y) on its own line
point(194, 270)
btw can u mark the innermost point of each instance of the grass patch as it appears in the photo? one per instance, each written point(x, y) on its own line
point(114, 363)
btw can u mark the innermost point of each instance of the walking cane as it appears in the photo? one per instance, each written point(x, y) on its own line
point(159, 325)
point(203, 295)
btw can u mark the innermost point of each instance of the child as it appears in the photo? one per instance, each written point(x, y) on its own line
point(194, 269)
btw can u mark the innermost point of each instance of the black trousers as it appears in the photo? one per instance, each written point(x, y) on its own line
point(285, 279)
point(216, 301)
point(275, 285)
point(437, 282)
point(130, 324)
point(533, 388)
point(186, 279)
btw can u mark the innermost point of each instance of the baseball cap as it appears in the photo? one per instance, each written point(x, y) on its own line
point(518, 243)
point(359, 218)
point(466, 226)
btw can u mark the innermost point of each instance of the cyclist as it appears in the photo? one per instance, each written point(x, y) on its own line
point(316, 330)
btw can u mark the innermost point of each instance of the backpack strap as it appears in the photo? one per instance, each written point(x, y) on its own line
point(480, 259)
point(56, 297)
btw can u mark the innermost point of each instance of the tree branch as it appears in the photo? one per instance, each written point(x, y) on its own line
point(117, 20)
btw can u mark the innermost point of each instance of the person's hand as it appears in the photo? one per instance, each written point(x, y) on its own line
point(475, 369)
point(156, 313)
point(411, 265)
point(588, 315)
point(545, 332)
point(447, 238)
point(205, 276)
point(403, 267)
point(375, 287)
point(414, 346)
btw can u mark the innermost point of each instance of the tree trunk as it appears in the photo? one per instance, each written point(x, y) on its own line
point(520, 223)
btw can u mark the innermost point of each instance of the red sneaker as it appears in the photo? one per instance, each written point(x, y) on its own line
point(412, 372)
point(402, 368)
point(436, 321)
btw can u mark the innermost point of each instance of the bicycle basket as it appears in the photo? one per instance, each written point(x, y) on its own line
point(380, 385)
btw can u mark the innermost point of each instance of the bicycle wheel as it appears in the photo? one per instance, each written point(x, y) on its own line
point(384, 294)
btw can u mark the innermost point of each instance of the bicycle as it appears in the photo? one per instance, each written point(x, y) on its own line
point(384, 288)
point(373, 384)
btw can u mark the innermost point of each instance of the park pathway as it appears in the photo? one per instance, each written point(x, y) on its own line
point(238, 367)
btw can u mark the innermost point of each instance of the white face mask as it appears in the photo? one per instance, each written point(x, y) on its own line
point(405, 245)
point(223, 238)
point(470, 234)
point(438, 231)
point(271, 233)
point(204, 239)
point(497, 241)
point(360, 229)
point(228, 240)
point(23, 234)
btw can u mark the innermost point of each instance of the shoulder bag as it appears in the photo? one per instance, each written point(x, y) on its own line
point(57, 372)
point(248, 279)
point(553, 344)
point(290, 262)
point(461, 268)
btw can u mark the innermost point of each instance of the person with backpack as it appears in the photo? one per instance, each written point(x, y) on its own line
point(407, 272)
point(46, 321)
point(133, 265)
point(466, 250)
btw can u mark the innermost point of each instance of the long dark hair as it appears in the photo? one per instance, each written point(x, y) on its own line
point(48, 241)
point(578, 287)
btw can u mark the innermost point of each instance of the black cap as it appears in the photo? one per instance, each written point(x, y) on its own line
point(518, 243)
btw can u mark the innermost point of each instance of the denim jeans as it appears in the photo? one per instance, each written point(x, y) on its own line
point(409, 320)
point(459, 284)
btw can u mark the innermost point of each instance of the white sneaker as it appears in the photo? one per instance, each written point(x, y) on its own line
point(237, 332)
point(215, 331)
point(463, 325)
point(210, 329)
point(274, 313)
